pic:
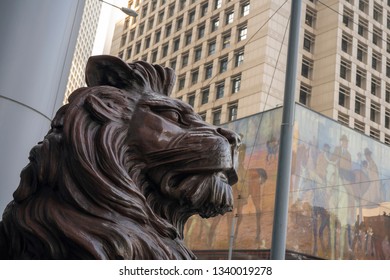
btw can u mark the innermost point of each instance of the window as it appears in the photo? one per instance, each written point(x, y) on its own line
point(308, 41)
point(236, 84)
point(191, 99)
point(194, 76)
point(157, 36)
point(387, 68)
point(217, 116)
point(220, 90)
point(141, 29)
point(168, 30)
point(344, 94)
point(191, 16)
point(217, 4)
point(343, 118)
point(205, 95)
point(161, 17)
point(126, 25)
point(388, 22)
point(377, 37)
point(223, 64)
point(147, 42)
point(363, 27)
point(204, 8)
point(307, 67)
point(132, 35)
point(214, 24)
point(144, 10)
point(346, 43)
point(150, 23)
point(201, 31)
point(310, 17)
point(229, 17)
point(377, 13)
point(120, 54)
point(128, 52)
point(179, 23)
point(387, 93)
point(245, 7)
point(123, 40)
point(171, 10)
point(387, 118)
point(198, 53)
point(138, 48)
point(375, 112)
point(182, 4)
point(359, 126)
point(363, 5)
point(232, 110)
point(226, 40)
point(376, 61)
point(238, 57)
point(181, 81)
point(375, 86)
point(348, 18)
point(176, 44)
point(242, 33)
point(184, 59)
point(211, 47)
point(374, 133)
point(304, 94)
point(172, 64)
point(359, 104)
point(188, 38)
point(361, 78)
point(208, 71)
point(345, 69)
point(164, 50)
point(144, 57)
point(362, 52)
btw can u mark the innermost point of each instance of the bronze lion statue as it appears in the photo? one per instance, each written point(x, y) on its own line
point(120, 171)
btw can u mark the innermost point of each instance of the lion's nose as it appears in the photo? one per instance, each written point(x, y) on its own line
point(233, 138)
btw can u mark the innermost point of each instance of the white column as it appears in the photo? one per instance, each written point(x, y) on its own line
point(37, 41)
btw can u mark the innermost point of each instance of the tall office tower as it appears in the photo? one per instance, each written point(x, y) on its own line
point(84, 45)
point(230, 56)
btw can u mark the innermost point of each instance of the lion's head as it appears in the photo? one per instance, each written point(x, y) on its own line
point(120, 171)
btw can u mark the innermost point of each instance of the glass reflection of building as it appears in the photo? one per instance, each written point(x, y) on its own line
point(339, 205)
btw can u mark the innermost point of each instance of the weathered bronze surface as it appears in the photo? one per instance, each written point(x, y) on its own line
point(120, 171)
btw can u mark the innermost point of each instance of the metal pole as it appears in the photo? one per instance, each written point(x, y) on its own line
point(279, 231)
point(231, 241)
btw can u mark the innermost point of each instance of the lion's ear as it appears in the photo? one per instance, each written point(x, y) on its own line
point(106, 70)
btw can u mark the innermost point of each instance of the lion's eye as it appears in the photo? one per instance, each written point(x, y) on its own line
point(171, 115)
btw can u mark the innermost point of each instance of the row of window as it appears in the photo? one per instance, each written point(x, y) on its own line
point(219, 88)
point(147, 25)
point(216, 113)
point(183, 40)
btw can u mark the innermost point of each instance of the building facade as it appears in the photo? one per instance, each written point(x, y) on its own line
point(84, 46)
point(230, 56)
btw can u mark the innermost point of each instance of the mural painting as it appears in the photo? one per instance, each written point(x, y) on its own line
point(339, 206)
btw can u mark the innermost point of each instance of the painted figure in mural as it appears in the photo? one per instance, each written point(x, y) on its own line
point(120, 171)
point(372, 196)
point(320, 199)
point(339, 201)
point(386, 248)
point(272, 149)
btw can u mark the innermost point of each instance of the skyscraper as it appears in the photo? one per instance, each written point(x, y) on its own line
point(230, 56)
point(84, 45)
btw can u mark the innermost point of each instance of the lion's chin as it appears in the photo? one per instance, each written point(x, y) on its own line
point(208, 195)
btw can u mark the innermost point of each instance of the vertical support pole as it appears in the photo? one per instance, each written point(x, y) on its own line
point(231, 241)
point(279, 231)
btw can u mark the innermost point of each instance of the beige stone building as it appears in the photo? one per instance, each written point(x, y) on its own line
point(230, 56)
